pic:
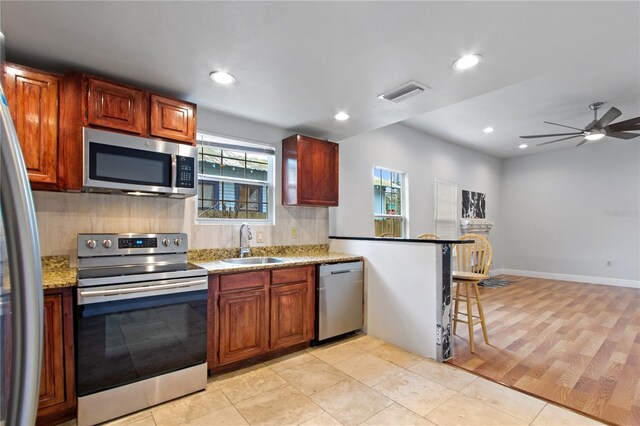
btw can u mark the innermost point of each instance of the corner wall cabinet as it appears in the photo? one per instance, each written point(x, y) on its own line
point(254, 313)
point(310, 169)
point(33, 98)
point(57, 400)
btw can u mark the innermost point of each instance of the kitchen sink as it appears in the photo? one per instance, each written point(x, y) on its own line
point(253, 260)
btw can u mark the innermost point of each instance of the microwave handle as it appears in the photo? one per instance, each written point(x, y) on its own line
point(174, 170)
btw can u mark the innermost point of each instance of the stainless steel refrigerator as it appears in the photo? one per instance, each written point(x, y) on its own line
point(21, 306)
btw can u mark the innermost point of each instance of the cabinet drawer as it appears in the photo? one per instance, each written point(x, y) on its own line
point(243, 281)
point(292, 275)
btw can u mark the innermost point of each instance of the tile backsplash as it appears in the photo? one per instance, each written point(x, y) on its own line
point(61, 216)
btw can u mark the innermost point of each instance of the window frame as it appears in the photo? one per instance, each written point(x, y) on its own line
point(230, 143)
point(404, 217)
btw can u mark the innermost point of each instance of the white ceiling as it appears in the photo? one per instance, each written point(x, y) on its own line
point(298, 63)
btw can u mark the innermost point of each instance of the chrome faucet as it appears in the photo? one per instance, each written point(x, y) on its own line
point(245, 250)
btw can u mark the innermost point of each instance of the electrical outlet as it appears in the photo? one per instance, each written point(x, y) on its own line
point(259, 237)
point(294, 233)
point(608, 263)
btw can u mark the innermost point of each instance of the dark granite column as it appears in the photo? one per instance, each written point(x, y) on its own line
point(443, 302)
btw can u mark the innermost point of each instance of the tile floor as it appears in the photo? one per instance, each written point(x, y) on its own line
point(361, 380)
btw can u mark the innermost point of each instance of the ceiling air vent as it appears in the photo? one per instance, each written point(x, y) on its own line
point(403, 92)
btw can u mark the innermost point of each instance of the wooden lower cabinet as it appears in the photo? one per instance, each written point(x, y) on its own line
point(253, 313)
point(57, 400)
point(243, 320)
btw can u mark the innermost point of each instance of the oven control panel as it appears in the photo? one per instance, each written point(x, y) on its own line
point(93, 245)
point(129, 243)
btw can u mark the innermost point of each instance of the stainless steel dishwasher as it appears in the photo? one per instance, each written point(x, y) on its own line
point(339, 299)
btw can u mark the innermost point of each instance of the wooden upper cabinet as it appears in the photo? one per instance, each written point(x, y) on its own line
point(172, 119)
point(33, 101)
point(115, 106)
point(309, 172)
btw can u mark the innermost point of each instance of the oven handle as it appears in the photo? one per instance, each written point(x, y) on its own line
point(131, 292)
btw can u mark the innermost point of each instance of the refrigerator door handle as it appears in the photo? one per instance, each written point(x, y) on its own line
point(23, 248)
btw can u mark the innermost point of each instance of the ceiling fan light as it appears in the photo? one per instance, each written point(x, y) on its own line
point(594, 136)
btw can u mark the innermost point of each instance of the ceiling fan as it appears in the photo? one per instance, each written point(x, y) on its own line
point(597, 129)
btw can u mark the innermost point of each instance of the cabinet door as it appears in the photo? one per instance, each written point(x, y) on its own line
point(52, 379)
point(243, 325)
point(115, 106)
point(289, 313)
point(173, 119)
point(33, 101)
point(317, 172)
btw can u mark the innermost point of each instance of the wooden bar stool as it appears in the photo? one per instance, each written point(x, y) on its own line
point(474, 262)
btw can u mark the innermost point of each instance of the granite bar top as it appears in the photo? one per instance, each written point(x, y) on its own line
point(403, 240)
point(56, 272)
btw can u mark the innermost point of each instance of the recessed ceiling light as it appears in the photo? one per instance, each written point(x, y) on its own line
point(341, 116)
point(523, 146)
point(222, 77)
point(488, 129)
point(466, 62)
point(594, 136)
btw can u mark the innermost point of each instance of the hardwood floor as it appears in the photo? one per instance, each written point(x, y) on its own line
point(571, 343)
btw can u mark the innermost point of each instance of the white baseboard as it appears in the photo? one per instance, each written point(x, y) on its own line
point(567, 277)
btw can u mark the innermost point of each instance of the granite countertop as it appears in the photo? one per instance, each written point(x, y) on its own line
point(218, 267)
point(56, 272)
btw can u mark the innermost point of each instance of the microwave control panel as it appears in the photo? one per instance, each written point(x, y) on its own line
point(186, 172)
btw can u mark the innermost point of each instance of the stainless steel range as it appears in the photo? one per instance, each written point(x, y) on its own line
point(141, 323)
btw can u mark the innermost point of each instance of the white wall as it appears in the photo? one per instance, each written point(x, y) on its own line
point(424, 158)
point(61, 216)
point(568, 212)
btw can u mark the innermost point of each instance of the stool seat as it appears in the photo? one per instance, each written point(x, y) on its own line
point(468, 276)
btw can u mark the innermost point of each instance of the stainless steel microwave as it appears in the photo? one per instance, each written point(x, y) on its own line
point(123, 164)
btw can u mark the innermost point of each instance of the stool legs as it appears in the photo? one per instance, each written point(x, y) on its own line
point(481, 312)
point(469, 318)
point(469, 287)
point(455, 311)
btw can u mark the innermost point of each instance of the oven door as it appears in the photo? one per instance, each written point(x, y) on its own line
point(131, 332)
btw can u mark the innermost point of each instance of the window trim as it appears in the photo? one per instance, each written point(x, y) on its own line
point(403, 201)
point(237, 144)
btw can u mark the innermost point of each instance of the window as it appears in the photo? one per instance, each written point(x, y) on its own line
point(388, 202)
point(235, 180)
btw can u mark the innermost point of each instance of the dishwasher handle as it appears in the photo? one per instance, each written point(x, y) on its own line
point(345, 271)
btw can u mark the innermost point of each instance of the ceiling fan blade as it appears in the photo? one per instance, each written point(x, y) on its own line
point(624, 125)
point(558, 140)
point(549, 135)
point(562, 125)
point(622, 135)
point(607, 118)
point(582, 142)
